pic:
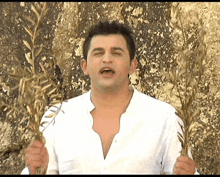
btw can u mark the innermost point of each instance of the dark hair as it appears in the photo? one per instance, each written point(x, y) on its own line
point(106, 28)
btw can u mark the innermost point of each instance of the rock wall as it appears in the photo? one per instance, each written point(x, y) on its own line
point(62, 33)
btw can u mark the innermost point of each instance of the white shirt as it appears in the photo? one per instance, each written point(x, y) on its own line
point(146, 143)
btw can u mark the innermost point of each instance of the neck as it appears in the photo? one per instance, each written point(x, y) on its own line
point(111, 99)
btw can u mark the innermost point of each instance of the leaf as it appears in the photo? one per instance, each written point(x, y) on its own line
point(28, 57)
point(42, 123)
point(29, 109)
point(44, 6)
point(180, 135)
point(56, 96)
point(37, 32)
point(42, 67)
point(35, 11)
point(37, 87)
point(38, 6)
point(47, 86)
point(38, 51)
point(53, 111)
point(44, 81)
point(55, 102)
point(179, 114)
point(182, 127)
point(21, 86)
point(28, 31)
point(53, 90)
point(45, 12)
point(51, 115)
point(9, 112)
point(27, 44)
point(36, 118)
point(181, 141)
point(23, 120)
point(31, 20)
point(44, 9)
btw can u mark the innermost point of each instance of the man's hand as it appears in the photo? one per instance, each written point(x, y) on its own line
point(37, 156)
point(184, 165)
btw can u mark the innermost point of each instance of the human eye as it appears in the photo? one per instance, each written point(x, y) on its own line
point(98, 53)
point(116, 53)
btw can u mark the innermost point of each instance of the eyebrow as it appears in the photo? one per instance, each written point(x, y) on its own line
point(118, 48)
point(97, 49)
point(101, 49)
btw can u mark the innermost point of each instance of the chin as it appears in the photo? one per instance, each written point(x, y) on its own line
point(109, 88)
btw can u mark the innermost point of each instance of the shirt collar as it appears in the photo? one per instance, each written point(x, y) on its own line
point(131, 106)
point(90, 105)
point(133, 102)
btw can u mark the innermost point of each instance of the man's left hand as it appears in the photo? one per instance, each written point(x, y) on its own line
point(184, 165)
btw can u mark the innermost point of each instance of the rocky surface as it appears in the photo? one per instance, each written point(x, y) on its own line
point(62, 35)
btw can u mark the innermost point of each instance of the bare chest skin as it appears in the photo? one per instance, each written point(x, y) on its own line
point(106, 124)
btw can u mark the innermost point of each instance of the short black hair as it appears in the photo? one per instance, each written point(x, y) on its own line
point(107, 28)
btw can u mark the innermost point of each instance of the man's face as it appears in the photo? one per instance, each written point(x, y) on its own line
point(108, 62)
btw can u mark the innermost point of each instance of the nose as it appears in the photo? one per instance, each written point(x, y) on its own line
point(107, 58)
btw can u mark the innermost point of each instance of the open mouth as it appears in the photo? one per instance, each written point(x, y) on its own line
point(107, 70)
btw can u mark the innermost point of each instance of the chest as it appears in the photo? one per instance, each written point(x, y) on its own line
point(107, 125)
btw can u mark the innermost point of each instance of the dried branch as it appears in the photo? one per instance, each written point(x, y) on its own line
point(191, 52)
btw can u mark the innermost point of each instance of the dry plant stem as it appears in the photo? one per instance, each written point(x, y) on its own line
point(33, 42)
point(188, 69)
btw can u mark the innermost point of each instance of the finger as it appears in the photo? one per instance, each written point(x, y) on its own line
point(185, 166)
point(180, 172)
point(186, 159)
point(36, 144)
point(34, 165)
point(34, 151)
point(36, 157)
point(177, 170)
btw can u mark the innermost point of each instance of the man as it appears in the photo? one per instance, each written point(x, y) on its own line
point(113, 128)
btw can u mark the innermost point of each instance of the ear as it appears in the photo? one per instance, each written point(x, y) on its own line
point(134, 64)
point(84, 66)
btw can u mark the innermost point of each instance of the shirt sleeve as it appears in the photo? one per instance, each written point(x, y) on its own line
point(48, 129)
point(172, 143)
point(53, 164)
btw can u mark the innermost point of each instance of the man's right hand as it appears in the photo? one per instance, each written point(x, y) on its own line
point(37, 156)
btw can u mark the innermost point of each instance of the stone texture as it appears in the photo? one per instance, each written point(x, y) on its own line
point(62, 35)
